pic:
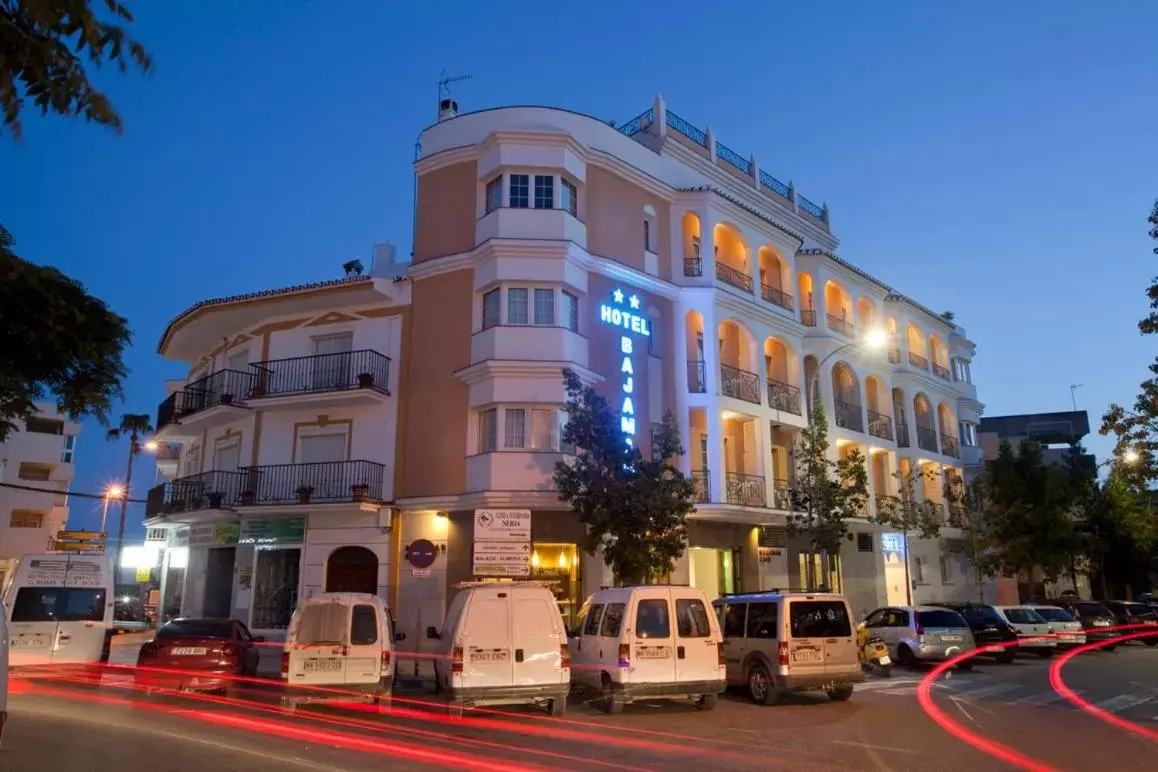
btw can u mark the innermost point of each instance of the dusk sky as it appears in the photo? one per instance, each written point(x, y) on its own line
point(996, 159)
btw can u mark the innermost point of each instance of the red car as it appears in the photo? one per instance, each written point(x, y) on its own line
point(212, 652)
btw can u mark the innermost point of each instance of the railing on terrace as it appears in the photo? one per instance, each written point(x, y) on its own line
point(902, 434)
point(784, 396)
point(808, 317)
point(224, 387)
point(927, 439)
point(343, 371)
point(639, 123)
point(703, 492)
point(895, 356)
point(809, 207)
point(841, 325)
point(739, 384)
point(323, 482)
point(880, 425)
point(678, 124)
point(693, 266)
point(950, 446)
point(730, 275)
point(769, 182)
point(207, 490)
point(729, 155)
point(916, 360)
point(745, 489)
point(781, 495)
point(942, 372)
point(849, 416)
point(697, 378)
point(779, 297)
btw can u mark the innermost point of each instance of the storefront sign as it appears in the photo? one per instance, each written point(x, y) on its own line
point(225, 533)
point(502, 525)
point(631, 323)
point(502, 558)
point(143, 575)
point(280, 530)
point(201, 536)
point(892, 542)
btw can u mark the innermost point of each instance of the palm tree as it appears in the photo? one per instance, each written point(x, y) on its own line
point(135, 426)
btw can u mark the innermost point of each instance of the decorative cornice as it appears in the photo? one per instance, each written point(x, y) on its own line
point(444, 158)
point(542, 500)
point(759, 214)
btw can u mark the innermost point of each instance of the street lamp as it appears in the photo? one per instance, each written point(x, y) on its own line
point(152, 445)
point(111, 492)
point(1131, 456)
point(875, 339)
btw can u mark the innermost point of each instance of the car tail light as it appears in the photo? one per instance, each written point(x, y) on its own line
point(782, 653)
point(385, 660)
point(564, 656)
point(625, 655)
point(285, 664)
point(720, 653)
point(920, 630)
point(456, 660)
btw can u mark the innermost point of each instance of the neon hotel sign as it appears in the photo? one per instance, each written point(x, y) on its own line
point(631, 323)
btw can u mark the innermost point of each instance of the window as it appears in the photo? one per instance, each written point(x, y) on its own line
point(570, 197)
point(570, 311)
point(494, 195)
point(517, 305)
point(591, 626)
point(363, 626)
point(703, 453)
point(196, 628)
point(520, 191)
point(819, 619)
point(276, 575)
point(323, 623)
point(692, 618)
point(651, 619)
point(864, 542)
point(733, 620)
point(564, 447)
point(490, 309)
point(39, 425)
point(488, 430)
point(762, 620)
point(612, 620)
point(33, 471)
point(26, 518)
point(58, 604)
point(968, 433)
point(69, 448)
point(647, 236)
point(544, 191)
point(545, 307)
point(961, 371)
point(920, 570)
point(515, 428)
point(696, 247)
point(653, 341)
point(542, 426)
point(1023, 616)
point(940, 618)
point(943, 564)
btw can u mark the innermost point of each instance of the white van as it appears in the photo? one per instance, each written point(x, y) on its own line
point(59, 610)
point(339, 641)
point(3, 672)
point(626, 647)
point(503, 643)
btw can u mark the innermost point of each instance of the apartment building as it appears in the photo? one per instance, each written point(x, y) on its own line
point(37, 454)
point(659, 263)
point(279, 445)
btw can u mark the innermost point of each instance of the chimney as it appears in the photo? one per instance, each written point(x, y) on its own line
point(447, 109)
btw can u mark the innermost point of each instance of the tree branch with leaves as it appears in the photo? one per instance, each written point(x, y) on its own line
point(904, 512)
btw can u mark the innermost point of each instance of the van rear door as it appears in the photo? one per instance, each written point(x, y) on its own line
point(538, 633)
point(697, 640)
point(488, 650)
point(81, 617)
point(814, 625)
point(318, 634)
point(653, 656)
point(363, 660)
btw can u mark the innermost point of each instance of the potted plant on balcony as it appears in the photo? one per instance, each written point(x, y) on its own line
point(304, 493)
point(365, 380)
point(214, 498)
point(361, 491)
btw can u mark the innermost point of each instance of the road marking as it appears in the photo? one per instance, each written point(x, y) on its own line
point(989, 691)
point(957, 701)
point(1046, 699)
point(869, 746)
point(889, 683)
point(1122, 702)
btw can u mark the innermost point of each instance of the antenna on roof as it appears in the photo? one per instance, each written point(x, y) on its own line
point(447, 107)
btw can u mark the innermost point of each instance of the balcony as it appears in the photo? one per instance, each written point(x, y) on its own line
point(902, 434)
point(703, 492)
point(225, 388)
point(950, 446)
point(345, 375)
point(880, 425)
point(841, 325)
point(776, 297)
point(208, 490)
point(781, 495)
point(942, 372)
point(849, 416)
point(808, 317)
point(785, 397)
point(327, 482)
point(745, 489)
point(730, 275)
point(895, 356)
point(916, 360)
point(697, 379)
point(739, 384)
point(927, 439)
point(693, 266)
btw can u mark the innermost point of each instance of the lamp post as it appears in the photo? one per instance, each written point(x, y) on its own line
point(111, 492)
point(874, 340)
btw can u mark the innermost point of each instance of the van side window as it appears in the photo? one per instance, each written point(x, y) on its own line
point(591, 627)
point(733, 621)
point(818, 619)
point(652, 620)
point(612, 621)
point(363, 626)
point(692, 618)
point(762, 620)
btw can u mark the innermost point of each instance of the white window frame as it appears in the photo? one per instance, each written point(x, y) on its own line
point(548, 295)
point(548, 189)
point(569, 197)
point(495, 184)
point(528, 190)
point(526, 304)
point(570, 310)
point(539, 429)
point(68, 452)
point(321, 431)
point(483, 415)
point(497, 319)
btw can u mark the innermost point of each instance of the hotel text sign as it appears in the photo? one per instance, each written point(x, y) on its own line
point(632, 323)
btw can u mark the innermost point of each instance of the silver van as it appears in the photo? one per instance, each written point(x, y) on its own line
point(775, 643)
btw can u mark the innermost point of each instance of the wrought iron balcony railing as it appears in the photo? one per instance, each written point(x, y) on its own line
point(849, 416)
point(344, 371)
point(697, 378)
point(739, 384)
point(902, 434)
point(207, 490)
point(916, 360)
point(323, 482)
point(927, 439)
point(224, 387)
point(950, 446)
point(776, 296)
point(784, 396)
point(942, 372)
point(808, 317)
point(693, 266)
point(745, 489)
point(782, 495)
point(841, 325)
point(703, 480)
point(880, 425)
point(736, 278)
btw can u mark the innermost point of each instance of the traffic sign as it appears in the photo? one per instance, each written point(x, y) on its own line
point(78, 546)
point(421, 553)
point(80, 536)
point(502, 558)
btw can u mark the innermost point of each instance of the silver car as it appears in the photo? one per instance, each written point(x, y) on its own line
point(921, 634)
point(1068, 631)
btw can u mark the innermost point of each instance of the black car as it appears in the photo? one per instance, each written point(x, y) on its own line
point(1131, 613)
point(1097, 620)
point(988, 627)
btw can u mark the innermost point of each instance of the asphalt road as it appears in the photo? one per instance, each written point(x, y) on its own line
point(59, 726)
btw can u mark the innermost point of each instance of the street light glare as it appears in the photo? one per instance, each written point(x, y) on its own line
point(876, 338)
point(152, 445)
point(114, 491)
point(1130, 456)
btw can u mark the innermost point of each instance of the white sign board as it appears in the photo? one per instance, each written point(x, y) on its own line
point(502, 558)
point(502, 525)
point(64, 572)
point(420, 573)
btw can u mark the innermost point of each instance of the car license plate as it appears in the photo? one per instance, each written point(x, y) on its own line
point(29, 643)
point(653, 652)
point(1101, 623)
point(806, 655)
point(494, 655)
point(329, 665)
point(951, 638)
point(188, 651)
point(884, 660)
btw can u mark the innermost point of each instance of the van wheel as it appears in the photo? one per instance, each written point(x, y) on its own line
point(1005, 657)
point(761, 689)
point(841, 694)
point(558, 706)
point(707, 702)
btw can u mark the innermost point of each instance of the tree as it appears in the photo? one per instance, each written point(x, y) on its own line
point(967, 501)
point(135, 426)
point(45, 44)
point(55, 340)
point(827, 492)
point(905, 513)
point(635, 507)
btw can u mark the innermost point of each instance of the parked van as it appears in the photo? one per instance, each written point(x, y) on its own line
point(503, 643)
point(776, 643)
point(3, 670)
point(60, 610)
point(625, 646)
point(339, 641)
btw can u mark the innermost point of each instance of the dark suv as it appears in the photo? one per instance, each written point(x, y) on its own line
point(988, 628)
point(1097, 620)
point(1131, 613)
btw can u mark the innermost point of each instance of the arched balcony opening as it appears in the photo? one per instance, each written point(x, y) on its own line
point(737, 354)
point(693, 246)
point(775, 278)
point(899, 420)
point(846, 396)
point(878, 409)
point(939, 357)
point(811, 381)
point(782, 368)
point(806, 298)
point(838, 308)
point(731, 254)
point(894, 343)
point(743, 470)
point(867, 316)
point(918, 353)
point(694, 340)
point(947, 422)
point(926, 428)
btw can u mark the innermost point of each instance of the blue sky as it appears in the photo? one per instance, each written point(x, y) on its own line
point(992, 158)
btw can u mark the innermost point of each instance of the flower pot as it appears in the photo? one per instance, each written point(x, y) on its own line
point(365, 380)
point(304, 497)
point(247, 498)
point(226, 399)
point(361, 492)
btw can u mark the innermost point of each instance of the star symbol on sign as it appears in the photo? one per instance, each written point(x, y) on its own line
point(634, 301)
point(618, 295)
